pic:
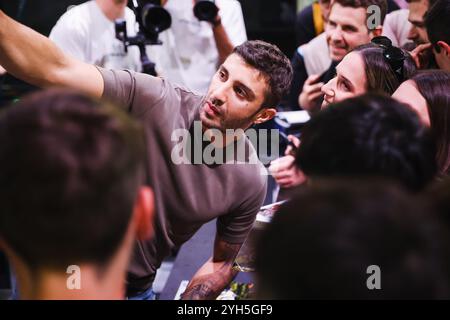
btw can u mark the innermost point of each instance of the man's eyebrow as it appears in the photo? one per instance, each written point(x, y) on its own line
point(331, 20)
point(250, 94)
point(222, 68)
point(349, 26)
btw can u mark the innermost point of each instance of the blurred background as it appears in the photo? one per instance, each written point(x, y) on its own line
point(269, 20)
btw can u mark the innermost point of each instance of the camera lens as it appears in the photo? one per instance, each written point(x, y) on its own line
point(155, 18)
point(205, 10)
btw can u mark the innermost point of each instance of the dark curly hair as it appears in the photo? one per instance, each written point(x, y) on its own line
point(273, 65)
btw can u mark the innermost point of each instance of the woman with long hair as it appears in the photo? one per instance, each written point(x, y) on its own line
point(428, 93)
point(377, 67)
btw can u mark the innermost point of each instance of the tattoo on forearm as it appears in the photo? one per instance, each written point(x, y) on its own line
point(199, 291)
point(210, 286)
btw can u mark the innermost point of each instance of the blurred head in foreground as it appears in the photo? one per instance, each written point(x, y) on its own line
point(71, 193)
point(368, 136)
point(344, 239)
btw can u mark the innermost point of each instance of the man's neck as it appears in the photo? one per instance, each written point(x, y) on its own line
point(112, 9)
point(221, 140)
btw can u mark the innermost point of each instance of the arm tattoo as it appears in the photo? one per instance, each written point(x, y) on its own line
point(209, 286)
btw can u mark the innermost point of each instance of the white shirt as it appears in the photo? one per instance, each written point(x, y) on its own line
point(85, 33)
point(189, 55)
point(396, 27)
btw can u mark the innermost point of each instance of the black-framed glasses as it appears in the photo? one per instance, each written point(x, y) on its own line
point(393, 55)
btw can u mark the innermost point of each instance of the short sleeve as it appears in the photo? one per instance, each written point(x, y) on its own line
point(235, 226)
point(136, 92)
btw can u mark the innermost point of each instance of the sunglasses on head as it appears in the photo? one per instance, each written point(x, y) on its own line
point(394, 56)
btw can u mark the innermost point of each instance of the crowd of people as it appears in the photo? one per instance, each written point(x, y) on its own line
point(89, 176)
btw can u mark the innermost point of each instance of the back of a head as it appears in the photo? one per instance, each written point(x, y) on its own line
point(368, 135)
point(71, 168)
point(436, 22)
point(434, 86)
point(321, 243)
point(380, 75)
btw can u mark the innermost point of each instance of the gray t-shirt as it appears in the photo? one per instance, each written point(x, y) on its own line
point(186, 195)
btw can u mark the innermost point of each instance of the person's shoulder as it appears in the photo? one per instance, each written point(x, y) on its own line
point(78, 11)
point(76, 16)
point(164, 94)
point(229, 5)
point(306, 13)
point(398, 16)
point(187, 96)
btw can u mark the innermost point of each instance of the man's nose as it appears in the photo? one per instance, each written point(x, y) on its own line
point(336, 35)
point(219, 95)
point(412, 34)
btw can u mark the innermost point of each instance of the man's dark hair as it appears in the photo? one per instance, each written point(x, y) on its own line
point(273, 64)
point(437, 24)
point(382, 4)
point(320, 244)
point(71, 169)
point(369, 135)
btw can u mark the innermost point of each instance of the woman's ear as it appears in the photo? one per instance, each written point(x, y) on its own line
point(265, 115)
point(143, 213)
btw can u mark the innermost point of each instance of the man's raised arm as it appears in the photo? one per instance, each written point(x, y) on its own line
point(34, 58)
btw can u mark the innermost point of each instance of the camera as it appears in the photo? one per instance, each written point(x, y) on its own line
point(205, 10)
point(151, 16)
point(152, 19)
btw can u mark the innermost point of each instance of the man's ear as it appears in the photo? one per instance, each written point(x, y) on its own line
point(377, 31)
point(444, 46)
point(144, 208)
point(265, 115)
